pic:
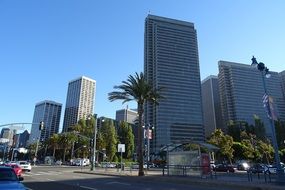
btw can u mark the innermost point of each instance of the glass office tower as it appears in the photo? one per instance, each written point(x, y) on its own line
point(171, 61)
point(241, 92)
point(49, 112)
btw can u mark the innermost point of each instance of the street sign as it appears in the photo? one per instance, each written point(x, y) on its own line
point(121, 147)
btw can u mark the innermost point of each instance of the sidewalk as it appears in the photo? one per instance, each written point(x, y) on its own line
point(231, 182)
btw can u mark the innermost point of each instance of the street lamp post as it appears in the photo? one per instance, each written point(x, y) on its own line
point(41, 127)
point(148, 136)
point(94, 145)
point(265, 73)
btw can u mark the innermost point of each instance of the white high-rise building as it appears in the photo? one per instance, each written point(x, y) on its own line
point(79, 101)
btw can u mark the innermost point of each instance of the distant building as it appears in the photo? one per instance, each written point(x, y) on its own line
point(7, 133)
point(241, 93)
point(49, 112)
point(126, 115)
point(282, 75)
point(79, 101)
point(20, 140)
point(171, 61)
point(211, 105)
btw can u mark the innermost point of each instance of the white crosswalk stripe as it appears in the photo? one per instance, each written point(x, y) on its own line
point(42, 173)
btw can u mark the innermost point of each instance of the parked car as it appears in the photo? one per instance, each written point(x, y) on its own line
point(108, 165)
point(273, 168)
point(224, 168)
point(17, 169)
point(9, 179)
point(82, 162)
point(136, 166)
point(58, 162)
point(26, 166)
point(258, 168)
point(243, 165)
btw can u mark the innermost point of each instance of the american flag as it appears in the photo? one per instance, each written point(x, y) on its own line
point(268, 104)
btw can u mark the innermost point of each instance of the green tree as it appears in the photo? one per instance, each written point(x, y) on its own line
point(248, 149)
point(66, 140)
point(266, 150)
point(138, 89)
point(238, 151)
point(259, 129)
point(54, 143)
point(234, 130)
point(110, 138)
point(280, 133)
point(224, 142)
point(126, 137)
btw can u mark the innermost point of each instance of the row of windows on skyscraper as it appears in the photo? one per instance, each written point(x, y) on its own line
point(236, 95)
point(190, 111)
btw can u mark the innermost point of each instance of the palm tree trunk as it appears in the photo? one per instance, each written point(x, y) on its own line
point(53, 154)
point(140, 152)
point(64, 151)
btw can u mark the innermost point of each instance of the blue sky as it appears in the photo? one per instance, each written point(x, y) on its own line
point(45, 44)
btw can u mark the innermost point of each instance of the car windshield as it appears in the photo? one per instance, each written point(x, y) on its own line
point(7, 174)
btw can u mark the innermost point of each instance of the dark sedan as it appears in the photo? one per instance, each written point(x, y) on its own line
point(9, 179)
point(258, 168)
point(224, 168)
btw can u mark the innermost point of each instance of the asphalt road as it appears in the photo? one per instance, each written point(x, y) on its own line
point(61, 178)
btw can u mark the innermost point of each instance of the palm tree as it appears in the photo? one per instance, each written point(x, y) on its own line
point(66, 140)
point(54, 142)
point(138, 89)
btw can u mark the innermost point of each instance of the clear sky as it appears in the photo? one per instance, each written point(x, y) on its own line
point(45, 44)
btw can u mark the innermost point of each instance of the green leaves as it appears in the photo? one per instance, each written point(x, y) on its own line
point(224, 142)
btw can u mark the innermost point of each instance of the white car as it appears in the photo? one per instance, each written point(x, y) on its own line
point(136, 166)
point(82, 162)
point(26, 166)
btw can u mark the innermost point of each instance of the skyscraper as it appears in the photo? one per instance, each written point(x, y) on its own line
point(211, 105)
point(171, 61)
point(241, 92)
point(49, 112)
point(79, 101)
point(282, 75)
point(7, 133)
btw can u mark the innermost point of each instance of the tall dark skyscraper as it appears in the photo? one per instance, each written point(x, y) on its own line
point(171, 61)
point(282, 75)
point(241, 92)
point(211, 105)
point(49, 112)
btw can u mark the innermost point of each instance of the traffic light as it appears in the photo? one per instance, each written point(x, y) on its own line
point(91, 142)
point(41, 127)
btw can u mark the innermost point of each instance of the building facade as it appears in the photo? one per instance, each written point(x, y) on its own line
point(241, 92)
point(127, 115)
point(282, 76)
point(79, 101)
point(49, 112)
point(7, 133)
point(21, 139)
point(211, 105)
point(171, 61)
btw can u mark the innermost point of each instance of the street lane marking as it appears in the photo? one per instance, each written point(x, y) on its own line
point(119, 183)
point(50, 179)
point(85, 187)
